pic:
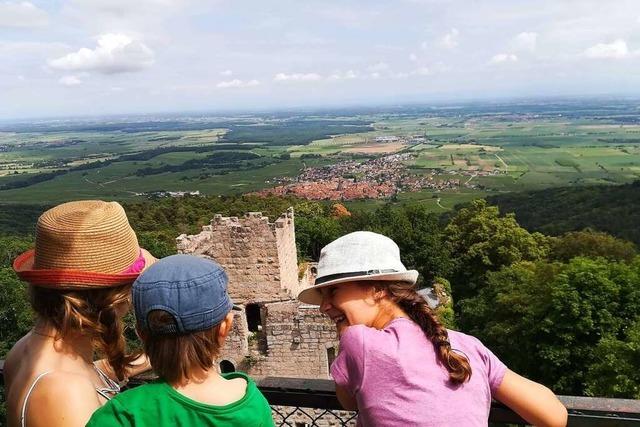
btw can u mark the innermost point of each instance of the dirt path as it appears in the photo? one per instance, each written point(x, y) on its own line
point(506, 166)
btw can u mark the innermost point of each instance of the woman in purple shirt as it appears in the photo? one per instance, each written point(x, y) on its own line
point(397, 364)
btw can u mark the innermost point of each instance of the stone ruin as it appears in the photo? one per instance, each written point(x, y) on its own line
point(274, 335)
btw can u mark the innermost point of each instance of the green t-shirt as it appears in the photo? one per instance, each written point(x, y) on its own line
point(158, 404)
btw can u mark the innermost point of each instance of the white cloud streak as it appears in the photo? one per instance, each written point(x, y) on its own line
point(616, 50)
point(114, 53)
point(297, 77)
point(237, 83)
point(348, 75)
point(501, 58)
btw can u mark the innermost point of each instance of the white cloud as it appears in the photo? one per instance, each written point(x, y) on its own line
point(525, 41)
point(503, 57)
point(374, 75)
point(226, 73)
point(115, 53)
point(348, 75)
point(449, 40)
point(615, 50)
point(70, 81)
point(22, 14)
point(237, 83)
point(413, 57)
point(297, 77)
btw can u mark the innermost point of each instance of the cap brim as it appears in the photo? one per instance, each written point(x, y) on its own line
point(313, 296)
point(73, 279)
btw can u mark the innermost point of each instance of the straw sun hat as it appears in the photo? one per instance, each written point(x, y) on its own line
point(357, 256)
point(83, 245)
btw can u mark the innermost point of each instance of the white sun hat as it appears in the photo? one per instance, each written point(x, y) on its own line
point(357, 256)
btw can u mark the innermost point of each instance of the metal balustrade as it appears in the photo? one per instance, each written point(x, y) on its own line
point(302, 402)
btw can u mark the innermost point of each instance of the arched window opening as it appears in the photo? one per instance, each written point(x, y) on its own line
point(226, 366)
point(331, 356)
point(254, 318)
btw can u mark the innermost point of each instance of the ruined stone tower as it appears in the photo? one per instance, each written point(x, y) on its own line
point(274, 334)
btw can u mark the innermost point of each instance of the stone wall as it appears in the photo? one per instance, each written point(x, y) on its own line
point(284, 231)
point(298, 339)
point(250, 251)
point(236, 346)
point(275, 335)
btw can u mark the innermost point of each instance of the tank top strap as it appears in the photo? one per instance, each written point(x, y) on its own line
point(23, 413)
point(110, 386)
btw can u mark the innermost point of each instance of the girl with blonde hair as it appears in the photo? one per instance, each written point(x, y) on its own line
point(80, 273)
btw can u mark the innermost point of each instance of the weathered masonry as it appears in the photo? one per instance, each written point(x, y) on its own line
point(275, 335)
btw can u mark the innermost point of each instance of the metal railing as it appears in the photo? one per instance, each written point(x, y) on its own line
point(301, 402)
point(300, 395)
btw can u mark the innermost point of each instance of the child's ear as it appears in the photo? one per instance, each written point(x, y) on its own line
point(225, 328)
point(378, 293)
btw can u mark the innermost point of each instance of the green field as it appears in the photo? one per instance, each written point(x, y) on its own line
point(489, 150)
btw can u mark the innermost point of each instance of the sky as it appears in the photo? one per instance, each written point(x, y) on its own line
point(94, 57)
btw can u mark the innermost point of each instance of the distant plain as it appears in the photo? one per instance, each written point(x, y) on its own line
point(495, 148)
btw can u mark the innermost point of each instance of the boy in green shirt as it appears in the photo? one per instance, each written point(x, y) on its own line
point(183, 315)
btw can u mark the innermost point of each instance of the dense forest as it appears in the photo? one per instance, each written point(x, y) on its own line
point(563, 310)
point(613, 209)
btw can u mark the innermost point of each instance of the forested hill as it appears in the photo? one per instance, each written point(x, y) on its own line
point(555, 309)
point(612, 209)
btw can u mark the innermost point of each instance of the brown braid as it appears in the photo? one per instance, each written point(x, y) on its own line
point(90, 312)
point(406, 297)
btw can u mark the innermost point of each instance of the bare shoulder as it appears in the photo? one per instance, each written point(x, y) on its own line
point(238, 383)
point(14, 357)
point(62, 399)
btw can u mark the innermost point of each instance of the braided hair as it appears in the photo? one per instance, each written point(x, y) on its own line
point(92, 312)
point(406, 297)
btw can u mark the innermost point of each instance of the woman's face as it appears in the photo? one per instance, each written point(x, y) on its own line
point(351, 303)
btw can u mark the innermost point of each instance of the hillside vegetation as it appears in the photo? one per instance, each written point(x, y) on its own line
point(559, 310)
point(612, 209)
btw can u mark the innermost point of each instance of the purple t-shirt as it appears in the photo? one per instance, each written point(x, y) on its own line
point(397, 380)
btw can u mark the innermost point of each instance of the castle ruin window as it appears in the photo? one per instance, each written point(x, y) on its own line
point(331, 356)
point(254, 318)
point(227, 366)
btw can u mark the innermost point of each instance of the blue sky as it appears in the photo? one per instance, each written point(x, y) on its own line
point(77, 57)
